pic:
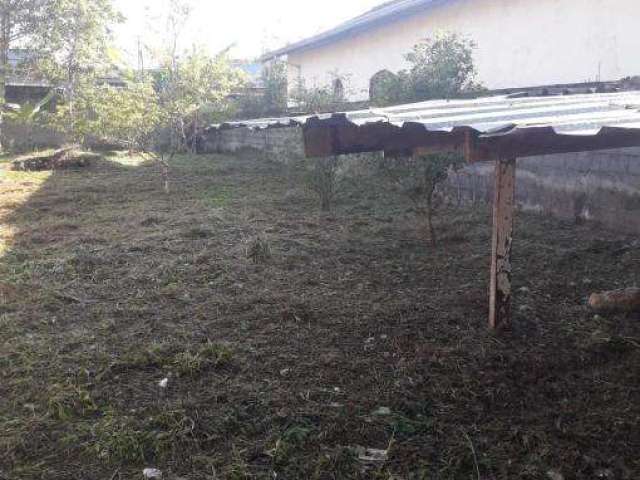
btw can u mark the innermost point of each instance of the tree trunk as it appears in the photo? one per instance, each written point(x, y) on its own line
point(165, 176)
point(194, 140)
point(325, 205)
point(5, 33)
point(72, 74)
point(432, 232)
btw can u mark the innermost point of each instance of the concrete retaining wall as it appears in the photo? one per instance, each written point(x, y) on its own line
point(18, 137)
point(281, 144)
point(593, 186)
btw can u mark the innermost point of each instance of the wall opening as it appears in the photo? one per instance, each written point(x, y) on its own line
point(382, 88)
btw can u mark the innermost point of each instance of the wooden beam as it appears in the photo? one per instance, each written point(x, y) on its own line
point(545, 141)
point(337, 137)
point(503, 219)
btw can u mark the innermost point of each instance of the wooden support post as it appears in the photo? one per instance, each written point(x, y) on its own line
point(503, 216)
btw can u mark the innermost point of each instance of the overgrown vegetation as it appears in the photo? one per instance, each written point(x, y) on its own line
point(159, 112)
point(322, 98)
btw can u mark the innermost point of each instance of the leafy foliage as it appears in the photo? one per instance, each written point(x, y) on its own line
point(439, 67)
point(28, 115)
point(78, 34)
point(384, 89)
point(196, 91)
point(20, 22)
point(275, 81)
point(127, 117)
point(76, 38)
point(272, 100)
point(442, 67)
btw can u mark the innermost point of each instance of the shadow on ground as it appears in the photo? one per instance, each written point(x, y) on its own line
point(284, 340)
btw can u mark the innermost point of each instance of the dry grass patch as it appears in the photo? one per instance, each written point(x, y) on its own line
point(230, 330)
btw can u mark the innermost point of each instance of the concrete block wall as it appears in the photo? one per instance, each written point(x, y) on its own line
point(281, 144)
point(592, 186)
point(599, 186)
point(18, 137)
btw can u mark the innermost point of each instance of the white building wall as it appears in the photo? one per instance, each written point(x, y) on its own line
point(520, 43)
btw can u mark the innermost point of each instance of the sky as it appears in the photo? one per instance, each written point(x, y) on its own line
point(253, 26)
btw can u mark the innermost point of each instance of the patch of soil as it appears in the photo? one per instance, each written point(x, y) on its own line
point(58, 160)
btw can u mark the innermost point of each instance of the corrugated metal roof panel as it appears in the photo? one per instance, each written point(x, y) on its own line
point(571, 114)
point(483, 128)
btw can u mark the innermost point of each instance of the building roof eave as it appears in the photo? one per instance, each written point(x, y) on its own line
point(381, 15)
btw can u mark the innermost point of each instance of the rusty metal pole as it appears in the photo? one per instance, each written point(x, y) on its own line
point(503, 217)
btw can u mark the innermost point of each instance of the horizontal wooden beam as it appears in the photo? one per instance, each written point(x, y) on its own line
point(545, 141)
point(324, 139)
point(327, 140)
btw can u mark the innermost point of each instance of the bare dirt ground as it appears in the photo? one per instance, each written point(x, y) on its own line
point(288, 339)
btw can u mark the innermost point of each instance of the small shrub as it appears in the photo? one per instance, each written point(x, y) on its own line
point(323, 181)
point(419, 178)
point(259, 250)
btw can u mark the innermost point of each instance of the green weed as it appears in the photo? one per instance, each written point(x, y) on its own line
point(209, 355)
point(118, 440)
point(66, 401)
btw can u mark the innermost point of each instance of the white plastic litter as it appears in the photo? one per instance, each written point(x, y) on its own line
point(151, 473)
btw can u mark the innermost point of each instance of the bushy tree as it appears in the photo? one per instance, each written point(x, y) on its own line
point(126, 117)
point(442, 67)
point(195, 91)
point(20, 22)
point(275, 83)
point(439, 67)
point(385, 89)
point(77, 38)
point(271, 99)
